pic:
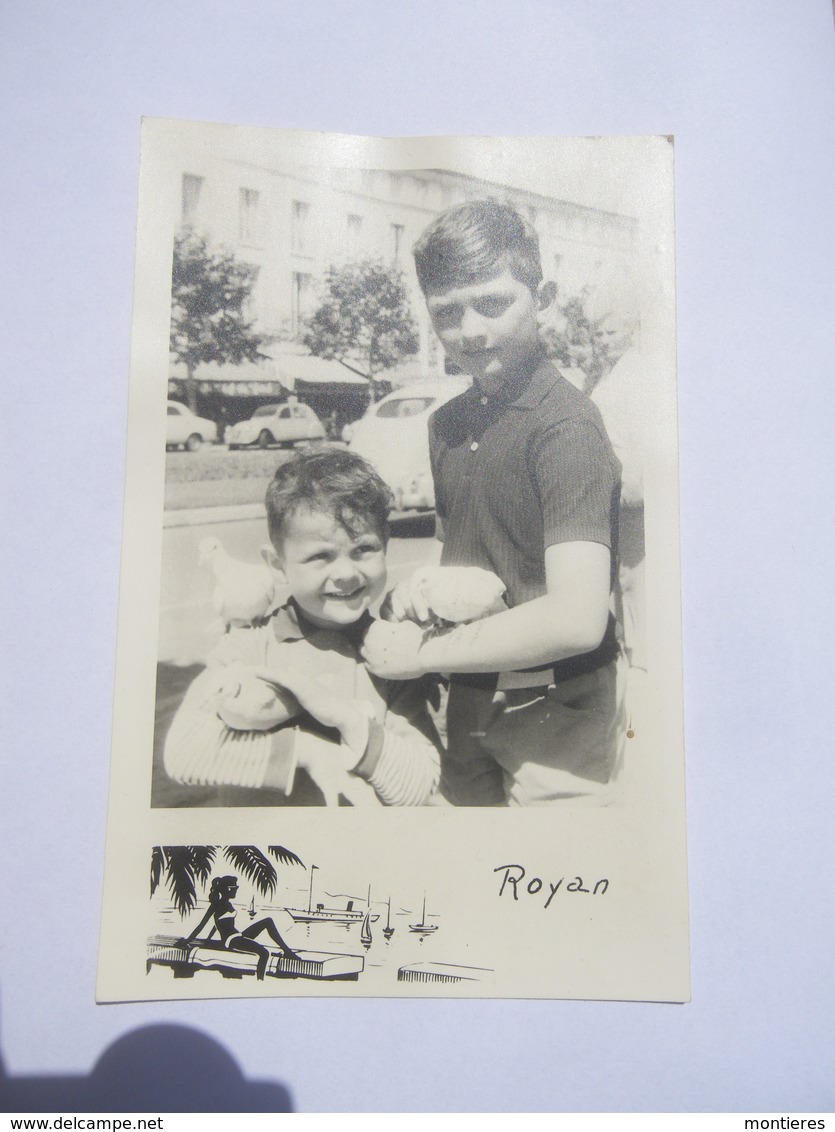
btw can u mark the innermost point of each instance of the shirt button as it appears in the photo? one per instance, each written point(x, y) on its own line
point(485, 400)
point(474, 446)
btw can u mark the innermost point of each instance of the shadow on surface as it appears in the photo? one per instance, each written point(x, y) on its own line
point(155, 1069)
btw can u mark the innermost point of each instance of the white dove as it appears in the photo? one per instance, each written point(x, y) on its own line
point(462, 593)
point(244, 592)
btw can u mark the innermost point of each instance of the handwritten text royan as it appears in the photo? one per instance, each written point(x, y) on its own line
point(513, 883)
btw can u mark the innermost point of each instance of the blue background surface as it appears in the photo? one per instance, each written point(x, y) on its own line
point(747, 88)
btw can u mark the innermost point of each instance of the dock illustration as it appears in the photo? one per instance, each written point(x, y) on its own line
point(184, 959)
point(441, 973)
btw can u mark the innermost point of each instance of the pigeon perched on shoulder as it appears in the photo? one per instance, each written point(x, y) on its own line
point(244, 592)
point(462, 593)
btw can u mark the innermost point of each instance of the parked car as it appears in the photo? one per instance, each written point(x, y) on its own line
point(394, 437)
point(285, 425)
point(185, 430)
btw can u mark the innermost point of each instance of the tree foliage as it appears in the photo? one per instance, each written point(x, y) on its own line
point(574, 338)
point(364, 318)
point(182, 866)
point(209, 292)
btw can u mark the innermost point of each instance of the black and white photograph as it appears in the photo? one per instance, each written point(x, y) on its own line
point(275, 844)
point(307, 351)
point(403, 454)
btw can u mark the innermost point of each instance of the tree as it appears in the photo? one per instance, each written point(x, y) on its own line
point(209, 291)
point(364, 319)
point(182, 866)
point(574, 338)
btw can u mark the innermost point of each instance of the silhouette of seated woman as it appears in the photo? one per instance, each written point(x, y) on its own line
point(221, 894)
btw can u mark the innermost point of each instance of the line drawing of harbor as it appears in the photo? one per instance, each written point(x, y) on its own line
point(325, 935)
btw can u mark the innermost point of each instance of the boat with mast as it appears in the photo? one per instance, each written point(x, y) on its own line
point(423, 927)
point(365, 931)
point(321, 914)
point(388, 930)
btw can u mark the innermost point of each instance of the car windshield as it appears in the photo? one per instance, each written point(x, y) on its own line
point(405, 406)
point(265, 411)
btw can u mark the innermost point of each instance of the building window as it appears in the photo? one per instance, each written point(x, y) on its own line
point(192, 188)
point(300, 227)
point(249, 216)
point(353, 234)
point(398, 234)
point(302, 299)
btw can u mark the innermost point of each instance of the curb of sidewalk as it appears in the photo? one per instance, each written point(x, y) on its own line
point(190, 517)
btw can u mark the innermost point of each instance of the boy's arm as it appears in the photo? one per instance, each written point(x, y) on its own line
point(406, 601)
point(399, 757)
point(402, 760)
point(568, 620)
point(200, 750)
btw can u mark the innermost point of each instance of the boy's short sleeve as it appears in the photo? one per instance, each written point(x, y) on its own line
point(577, 478)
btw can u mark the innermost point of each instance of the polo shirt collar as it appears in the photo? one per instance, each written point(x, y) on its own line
point(290, 624)
point(526, 389)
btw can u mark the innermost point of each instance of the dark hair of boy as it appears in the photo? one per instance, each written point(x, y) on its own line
point(475, 241)
point(334, 480)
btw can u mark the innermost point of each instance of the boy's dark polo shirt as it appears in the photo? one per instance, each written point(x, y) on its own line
point(520, 471)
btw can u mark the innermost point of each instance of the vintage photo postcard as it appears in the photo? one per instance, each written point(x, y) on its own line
point(398, 692)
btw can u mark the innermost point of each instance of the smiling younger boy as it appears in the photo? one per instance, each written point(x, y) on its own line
point(295, 693)
point(526, 485)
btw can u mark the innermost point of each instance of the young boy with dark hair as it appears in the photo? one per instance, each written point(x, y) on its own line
point(527, 486)
point(294, 692)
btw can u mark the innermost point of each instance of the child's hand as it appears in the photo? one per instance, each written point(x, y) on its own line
point(327, 771)
point(407, 601)
point(349, 717)
point(446, 593)
point(247, 702)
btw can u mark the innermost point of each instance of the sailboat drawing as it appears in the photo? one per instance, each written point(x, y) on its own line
point(365, 931)
point(423, 927)
point(252, 909)
point(388, 930)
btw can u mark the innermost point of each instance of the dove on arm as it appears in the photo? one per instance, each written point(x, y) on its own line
point(218, 738)
point(569, 619)
point(242, 723)
point(394, 748)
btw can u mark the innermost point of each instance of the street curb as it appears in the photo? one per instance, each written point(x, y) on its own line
point(191, 517)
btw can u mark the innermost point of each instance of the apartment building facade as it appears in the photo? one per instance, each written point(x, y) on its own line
point(291, 224)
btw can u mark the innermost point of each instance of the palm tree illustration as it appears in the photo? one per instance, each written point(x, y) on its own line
point(183, 867)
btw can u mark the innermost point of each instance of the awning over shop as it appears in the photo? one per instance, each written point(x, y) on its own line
point(293, 369)
point(250, 379)
point(277, 372)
